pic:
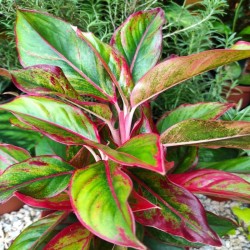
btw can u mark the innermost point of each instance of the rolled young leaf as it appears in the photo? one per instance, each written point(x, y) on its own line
point(203, 111)
point(213, 134)
point(180, 214)
point(99, 195)
point(178, 69)
point(214, 183)
point(10, 155)
point(33, 236)
point(139, 39)
point(44, 176)
point(74, 237)
point(49, 40)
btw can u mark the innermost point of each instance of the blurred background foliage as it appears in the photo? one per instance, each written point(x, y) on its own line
point(192, 26)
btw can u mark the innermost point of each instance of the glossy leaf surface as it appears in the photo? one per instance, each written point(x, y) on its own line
point(139, 39)
point(10, 155)
point(74, 237)
point(180, 214)
point(47, 41)
point(58, 202)
point(214, 134)
point(99, 196)
point(32, 237)
point(59, 120)
point(178, 69)
point(203, 111)
point(214, 183)
point(43, 176)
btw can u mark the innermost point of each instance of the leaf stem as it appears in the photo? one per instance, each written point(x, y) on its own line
point(97, 157)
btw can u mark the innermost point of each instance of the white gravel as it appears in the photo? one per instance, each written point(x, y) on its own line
point(12, 224)
point(232, 242)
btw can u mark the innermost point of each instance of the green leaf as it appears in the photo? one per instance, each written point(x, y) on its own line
point(185, 158)
point(10, 155)
point(243, 214)
point(43, 80)
point(178, 69)
point(74, 237)
point(237, 165)
point(33, 236)
point(49, 147)
point(58, 120)
point(38, 177)
point(99, 195)
point(156, 239)
point(14, 135)
point(213, 134)
point(139, 39)
point(203, 111)
point(49, 40)
point(222, 226)
point(147, 149)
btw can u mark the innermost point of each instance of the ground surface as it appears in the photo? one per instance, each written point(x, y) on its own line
point(12, 224)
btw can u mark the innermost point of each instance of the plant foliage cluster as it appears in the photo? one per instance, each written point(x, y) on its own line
point(190, 29)
point(110, 176)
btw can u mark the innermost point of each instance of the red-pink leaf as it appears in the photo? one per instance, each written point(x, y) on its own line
point(181, 213)
point(214, 183)
point(74, 237)
point(58, 202)
point(139, 203)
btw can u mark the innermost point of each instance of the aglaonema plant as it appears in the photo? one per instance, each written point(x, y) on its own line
point(110, 177)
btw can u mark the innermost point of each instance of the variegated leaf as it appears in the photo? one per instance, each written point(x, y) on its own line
point(178, 69)
point(214, 183)
point(99, 196)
